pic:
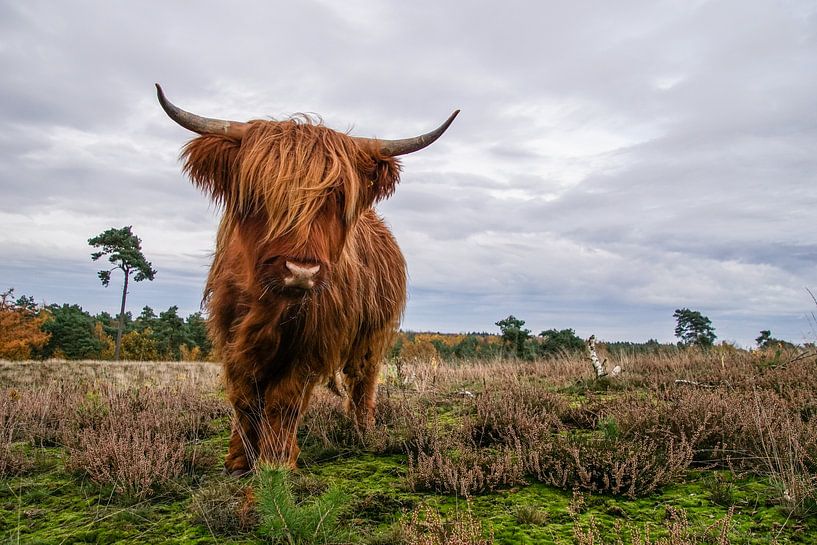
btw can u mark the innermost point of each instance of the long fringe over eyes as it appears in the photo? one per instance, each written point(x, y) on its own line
point(288, 169)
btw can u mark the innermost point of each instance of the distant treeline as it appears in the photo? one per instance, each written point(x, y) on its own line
point(411, 345)
point(31, 331)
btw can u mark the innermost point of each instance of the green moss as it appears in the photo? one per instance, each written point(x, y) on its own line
point(382, 499)
point(51, 506)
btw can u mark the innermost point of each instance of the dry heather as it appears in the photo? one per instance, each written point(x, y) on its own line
point(116, 428)
point(490, 425)
point(461, 430)
point(34, 374)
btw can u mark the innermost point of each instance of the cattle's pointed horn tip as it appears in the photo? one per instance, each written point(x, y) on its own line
point(160, 92)
point(451, 118)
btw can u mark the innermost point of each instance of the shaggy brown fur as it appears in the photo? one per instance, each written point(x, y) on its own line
point(297, 190)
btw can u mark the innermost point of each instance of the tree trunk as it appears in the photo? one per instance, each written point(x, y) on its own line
point(598, 365)
point(121, 317)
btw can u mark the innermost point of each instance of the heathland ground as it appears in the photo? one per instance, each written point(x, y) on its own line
point(475, 451)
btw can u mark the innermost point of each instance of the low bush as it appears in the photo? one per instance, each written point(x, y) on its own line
point(135, 453)
point(326, 429)
point(520, 412)
point(13, 459)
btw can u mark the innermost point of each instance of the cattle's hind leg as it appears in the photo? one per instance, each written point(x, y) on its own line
point(361, 386)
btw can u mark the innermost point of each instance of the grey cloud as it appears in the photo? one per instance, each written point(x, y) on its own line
point(612, 160)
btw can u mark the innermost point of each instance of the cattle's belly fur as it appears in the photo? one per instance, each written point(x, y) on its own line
point(275, 350)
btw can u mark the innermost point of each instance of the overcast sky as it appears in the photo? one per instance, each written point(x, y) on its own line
point(613, 161)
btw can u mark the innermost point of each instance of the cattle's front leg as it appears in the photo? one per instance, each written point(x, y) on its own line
point(247, 398)
point(284, 402)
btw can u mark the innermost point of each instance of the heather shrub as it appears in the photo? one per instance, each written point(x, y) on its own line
point(465, 470)
point(522, 412)
point(326, 428)
point(516, 434)
point(136, 456)
point(400, 420)
point(12, 457)
point(632, 467)
point(136, 439)
point(447, 460)
point(38, 415)
point(15, 429)
point(200, 458)
point(46, 412)
point(717, 423)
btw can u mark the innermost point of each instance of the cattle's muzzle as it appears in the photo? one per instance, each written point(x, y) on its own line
point(301, 275)
point(292, 276)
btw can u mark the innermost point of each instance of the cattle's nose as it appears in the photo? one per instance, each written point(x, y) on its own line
point(302, 276)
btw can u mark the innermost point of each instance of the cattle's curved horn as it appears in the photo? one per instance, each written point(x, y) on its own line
point(196, 123)
point(392, 148)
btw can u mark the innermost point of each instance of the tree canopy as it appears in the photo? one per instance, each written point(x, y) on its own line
point(693, 328)
point(514, 335)
point(765, 340)
point(556, 342)
point(21, 327)
point(72, 333)
point(124, 251)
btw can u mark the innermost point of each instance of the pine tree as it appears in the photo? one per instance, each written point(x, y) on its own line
point(693, 328)
point(124, 250)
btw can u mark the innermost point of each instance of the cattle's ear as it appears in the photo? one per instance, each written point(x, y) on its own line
point(211, 163)
point(385, 177)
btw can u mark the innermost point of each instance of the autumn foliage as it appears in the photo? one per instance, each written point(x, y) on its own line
point(20, 323)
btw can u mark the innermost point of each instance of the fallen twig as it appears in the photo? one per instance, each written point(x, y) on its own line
point(693, 383)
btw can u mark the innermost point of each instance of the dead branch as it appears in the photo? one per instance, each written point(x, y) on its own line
point(693, 383)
